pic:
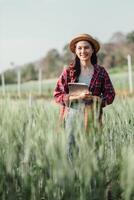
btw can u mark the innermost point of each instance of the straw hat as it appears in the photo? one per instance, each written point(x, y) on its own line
point(84, 37)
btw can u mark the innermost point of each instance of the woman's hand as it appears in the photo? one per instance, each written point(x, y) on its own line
point(85, 96)
point(82, 96)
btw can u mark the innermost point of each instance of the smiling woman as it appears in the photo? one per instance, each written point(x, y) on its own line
point(84, 69)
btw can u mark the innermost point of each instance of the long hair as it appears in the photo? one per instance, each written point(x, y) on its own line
point(77, 66)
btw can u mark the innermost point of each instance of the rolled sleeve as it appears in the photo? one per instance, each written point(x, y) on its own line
point(61, 91)
point(108, 92)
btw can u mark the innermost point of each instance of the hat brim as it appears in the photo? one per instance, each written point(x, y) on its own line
point(84, 38)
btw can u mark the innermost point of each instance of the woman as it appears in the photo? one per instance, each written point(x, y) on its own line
point(84, 69)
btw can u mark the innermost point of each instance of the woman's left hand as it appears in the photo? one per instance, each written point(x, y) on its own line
point(85, 96)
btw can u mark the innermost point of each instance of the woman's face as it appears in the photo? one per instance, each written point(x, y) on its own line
point(84, 50)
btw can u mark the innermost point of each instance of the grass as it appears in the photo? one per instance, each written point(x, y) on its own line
point(31, 87)
point(33, 160)
point(119, 79)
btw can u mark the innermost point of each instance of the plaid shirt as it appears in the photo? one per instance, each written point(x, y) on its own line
point(100, 85)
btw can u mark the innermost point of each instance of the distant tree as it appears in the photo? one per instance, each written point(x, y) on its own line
point(120, 59)
point(51, 64)
point(111, 54)
point(101, 56)
point(118, 37)
point(109, 61)
point(66, 55)
point(10, 76)
point(28, 72)
point(130, 37)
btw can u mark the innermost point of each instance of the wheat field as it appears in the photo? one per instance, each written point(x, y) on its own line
point(33, 160)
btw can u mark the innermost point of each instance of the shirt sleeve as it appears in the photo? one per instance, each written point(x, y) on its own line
point(61, 91)
point(108, 92)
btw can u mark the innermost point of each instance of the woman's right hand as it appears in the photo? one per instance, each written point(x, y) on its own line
point(82, 96)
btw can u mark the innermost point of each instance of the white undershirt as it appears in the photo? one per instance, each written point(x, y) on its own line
point(86, 76)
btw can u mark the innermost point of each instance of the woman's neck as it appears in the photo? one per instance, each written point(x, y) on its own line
point(85, 64)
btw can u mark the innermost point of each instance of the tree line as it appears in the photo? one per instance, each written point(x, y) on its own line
point(112, 54)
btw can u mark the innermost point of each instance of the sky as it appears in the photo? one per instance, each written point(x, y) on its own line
point(30, 28)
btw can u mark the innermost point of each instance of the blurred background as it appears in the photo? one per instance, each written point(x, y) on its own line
point(34, 37)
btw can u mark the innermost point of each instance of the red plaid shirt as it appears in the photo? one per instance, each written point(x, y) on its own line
point(100, 85)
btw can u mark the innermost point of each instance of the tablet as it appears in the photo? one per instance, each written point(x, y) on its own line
point(77, 88)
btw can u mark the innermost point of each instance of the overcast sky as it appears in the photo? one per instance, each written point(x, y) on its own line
point(29, 28)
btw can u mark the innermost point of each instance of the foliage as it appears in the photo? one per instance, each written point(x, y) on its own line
point(112, 54)
point(66, 55)
point(34, 164)
point(10, 76)
point(130, 37)
point(51, 64)
point(29, 73)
